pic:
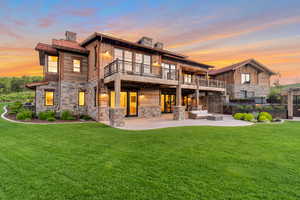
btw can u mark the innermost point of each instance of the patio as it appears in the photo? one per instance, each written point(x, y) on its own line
point(166, 120)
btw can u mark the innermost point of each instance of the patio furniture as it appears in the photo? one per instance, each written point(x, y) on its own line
point(198, 114)
point(215, 117)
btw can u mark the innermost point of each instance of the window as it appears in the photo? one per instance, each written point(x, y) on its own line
point(76, 65)
point(96, 54)
point(128, 60)
point(95, 96)
point(245, 78)
point(187, 78)
point(49, 98)
point(147, 64)
point(169, 71)
point(143, 61)
point(52, 64)
point(243, 94)
point(118, 54)
point(81, 98)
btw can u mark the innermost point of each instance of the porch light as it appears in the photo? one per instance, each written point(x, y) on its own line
point(156, 64)
point(106, 54)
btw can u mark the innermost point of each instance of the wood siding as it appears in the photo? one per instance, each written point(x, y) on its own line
point(68, 73)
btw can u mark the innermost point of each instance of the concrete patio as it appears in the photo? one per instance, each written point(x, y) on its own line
point(166, 120)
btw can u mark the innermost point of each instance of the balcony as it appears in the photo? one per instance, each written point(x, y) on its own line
point(138, 72)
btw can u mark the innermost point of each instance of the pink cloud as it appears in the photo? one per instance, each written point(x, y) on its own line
point(6, 30)
point(46, 22)
point(83, 12)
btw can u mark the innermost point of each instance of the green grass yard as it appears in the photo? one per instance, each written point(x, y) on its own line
point(92, 161)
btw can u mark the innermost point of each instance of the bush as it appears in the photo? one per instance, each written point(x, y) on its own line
point(85, 117)
point(25, 114)
point(51, 119)
point(249, 117)
point(67, 115)
point(239, 116)
point(15, 107)
point(267, 115)
point(46, 114)
point(263, 118)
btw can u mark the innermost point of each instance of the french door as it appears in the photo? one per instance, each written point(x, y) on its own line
point(128, 101)
point(167, 101)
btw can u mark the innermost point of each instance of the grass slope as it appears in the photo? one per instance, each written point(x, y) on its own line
point(93, 161)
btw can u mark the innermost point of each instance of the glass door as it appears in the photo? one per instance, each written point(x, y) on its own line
point(168, 101)
point(128, 101)
point(132, 111)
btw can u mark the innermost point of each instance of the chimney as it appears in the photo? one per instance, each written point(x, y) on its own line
point(159, 45)
point(70, 36)
point(146, 41)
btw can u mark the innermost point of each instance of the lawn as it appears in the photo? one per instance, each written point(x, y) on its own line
point(93, 161)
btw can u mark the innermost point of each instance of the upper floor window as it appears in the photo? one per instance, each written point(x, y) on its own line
point(169, 71)
point(49, 98)
point(52, 64)
point(187, 78)
point(76, 65)
point(245, 78)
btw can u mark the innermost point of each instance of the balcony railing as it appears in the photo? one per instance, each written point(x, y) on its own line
point(139, 69)
point(204, 82)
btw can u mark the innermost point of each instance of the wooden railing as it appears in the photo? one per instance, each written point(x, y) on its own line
point(205, 82)
point(139, 69)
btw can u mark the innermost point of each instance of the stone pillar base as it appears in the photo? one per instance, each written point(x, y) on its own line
point(290, 117)
point(179, 112)
point(116, 117)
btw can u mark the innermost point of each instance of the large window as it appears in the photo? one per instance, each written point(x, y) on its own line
point(245, 78)
point(81, 98)
point(49, 98)
point(76, 65)
point(52, 64)
point(169, 71)
point(187, 78)
point(143, 61)
point(125, 56)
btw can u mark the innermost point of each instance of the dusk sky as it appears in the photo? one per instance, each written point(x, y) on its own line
point(214, 32)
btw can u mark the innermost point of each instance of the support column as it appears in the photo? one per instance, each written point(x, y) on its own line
point(197, 94)
point(178, 109)
point(116, 114)
point(290, 105)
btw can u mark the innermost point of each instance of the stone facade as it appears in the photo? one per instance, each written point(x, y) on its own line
point(40, 97)
point(149, 111)
point(258, 90)
point(179, 112)
point(116, 117)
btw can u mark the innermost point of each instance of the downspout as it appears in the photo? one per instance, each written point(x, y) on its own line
point(98, 78)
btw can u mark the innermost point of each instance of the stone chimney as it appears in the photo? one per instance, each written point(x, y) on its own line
point(146, 41)
point(159, 45)
point(70, 36)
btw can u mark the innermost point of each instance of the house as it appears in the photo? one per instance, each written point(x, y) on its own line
point(247, 79)
point(110, 78)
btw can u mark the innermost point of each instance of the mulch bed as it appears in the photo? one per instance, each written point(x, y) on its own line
point(13, 117)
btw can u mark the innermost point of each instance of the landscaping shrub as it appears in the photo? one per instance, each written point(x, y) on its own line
point(239, 116)
point(25, 114)
point(263, 118)
point(85, 117)
point(51, 119)
point(267, 115)
point(46, 114)
point(67, 115)
point(15, 107)
point(249, 117)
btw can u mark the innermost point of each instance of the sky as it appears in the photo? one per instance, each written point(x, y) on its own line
point(213, 32)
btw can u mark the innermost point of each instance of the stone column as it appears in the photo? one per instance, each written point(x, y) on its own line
point(178, 113)
point(290, 105)
point(197, 94)
point(116, 114)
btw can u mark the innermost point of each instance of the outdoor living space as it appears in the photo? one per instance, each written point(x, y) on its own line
point(166, 120)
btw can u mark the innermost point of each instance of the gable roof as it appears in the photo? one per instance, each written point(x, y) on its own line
point(69, 46)
point(46, 48)
point(35, 84)
point(240, 64)
point(112, 38)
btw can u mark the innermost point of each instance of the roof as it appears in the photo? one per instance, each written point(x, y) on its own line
point(101, 35)
point(46, 48)
point(189, 61)
point(34, 84)
point(69, 46)
point(240, 64)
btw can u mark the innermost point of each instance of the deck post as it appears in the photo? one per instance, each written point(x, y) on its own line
point(117, 86)
point(179, 110)
point(290, 105)
point(197, 94)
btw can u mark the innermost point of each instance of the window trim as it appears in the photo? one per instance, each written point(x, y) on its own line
point(80, 68)
point(245, 74)
point(84, 98)
point(45, 99)
point(57, 66)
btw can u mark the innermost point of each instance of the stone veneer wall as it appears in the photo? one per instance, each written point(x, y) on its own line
point(92, 109)
point(40, 97)
point(259, 90)
point(149, 105)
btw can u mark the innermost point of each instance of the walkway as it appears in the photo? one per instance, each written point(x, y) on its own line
point(167, 121)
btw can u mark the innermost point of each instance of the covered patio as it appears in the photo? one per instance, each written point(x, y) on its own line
point(293, 95)
point(166, 121)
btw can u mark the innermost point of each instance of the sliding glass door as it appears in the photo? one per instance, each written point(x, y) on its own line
point(167, 102)
point(128, 101)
